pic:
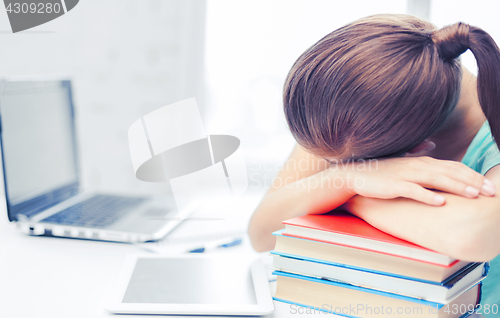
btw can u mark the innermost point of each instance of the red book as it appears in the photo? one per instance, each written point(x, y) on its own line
point(343, 228)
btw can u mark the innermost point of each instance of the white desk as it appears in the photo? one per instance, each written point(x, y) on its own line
point(53, 277)
point(61, 278)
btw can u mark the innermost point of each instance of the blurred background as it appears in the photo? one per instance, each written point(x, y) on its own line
point(129, 57)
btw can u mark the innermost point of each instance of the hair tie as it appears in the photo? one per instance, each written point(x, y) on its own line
point(452, 40)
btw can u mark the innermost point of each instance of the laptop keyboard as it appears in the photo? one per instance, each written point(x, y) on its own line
point(97, 211)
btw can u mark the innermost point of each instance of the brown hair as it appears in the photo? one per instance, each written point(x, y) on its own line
point(379, 86)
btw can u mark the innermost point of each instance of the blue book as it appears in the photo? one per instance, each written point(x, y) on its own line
point(354, 301)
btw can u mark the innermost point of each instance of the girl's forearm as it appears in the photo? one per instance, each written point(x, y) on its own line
point(463, 228)
point(318, 193)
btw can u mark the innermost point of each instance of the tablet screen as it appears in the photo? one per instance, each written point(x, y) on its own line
point(190, 281)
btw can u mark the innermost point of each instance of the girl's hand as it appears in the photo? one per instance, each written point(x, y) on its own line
point(412, 177)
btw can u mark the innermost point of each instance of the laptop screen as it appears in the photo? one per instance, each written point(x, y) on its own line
point(38, 145)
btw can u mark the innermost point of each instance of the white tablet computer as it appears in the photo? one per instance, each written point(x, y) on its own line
point(191, 284)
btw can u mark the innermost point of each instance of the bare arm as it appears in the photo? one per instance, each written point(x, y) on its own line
point(462, 228)
point(310, 185)
point(304, 185)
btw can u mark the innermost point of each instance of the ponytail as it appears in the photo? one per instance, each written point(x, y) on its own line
point(452, 41)
point(379, 86)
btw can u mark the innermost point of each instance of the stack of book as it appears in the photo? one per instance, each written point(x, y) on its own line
point(340, 264)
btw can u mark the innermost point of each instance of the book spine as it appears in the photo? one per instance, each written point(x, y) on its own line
point(356, 268)
point(369, 250)
point(359, 288)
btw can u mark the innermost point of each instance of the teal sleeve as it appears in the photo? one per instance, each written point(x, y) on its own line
point(491, 285)
point(481, 156)
point(489, 159)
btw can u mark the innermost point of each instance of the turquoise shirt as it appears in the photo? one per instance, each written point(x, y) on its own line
point(482, 155)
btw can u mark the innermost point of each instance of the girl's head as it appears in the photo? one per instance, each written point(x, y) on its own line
point(381, 85)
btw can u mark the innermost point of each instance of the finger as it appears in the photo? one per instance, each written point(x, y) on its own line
point(460, 172)
point(418, 193)
point(488, 187)
point(446, 184)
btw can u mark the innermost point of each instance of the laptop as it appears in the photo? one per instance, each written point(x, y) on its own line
point(42, 180)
